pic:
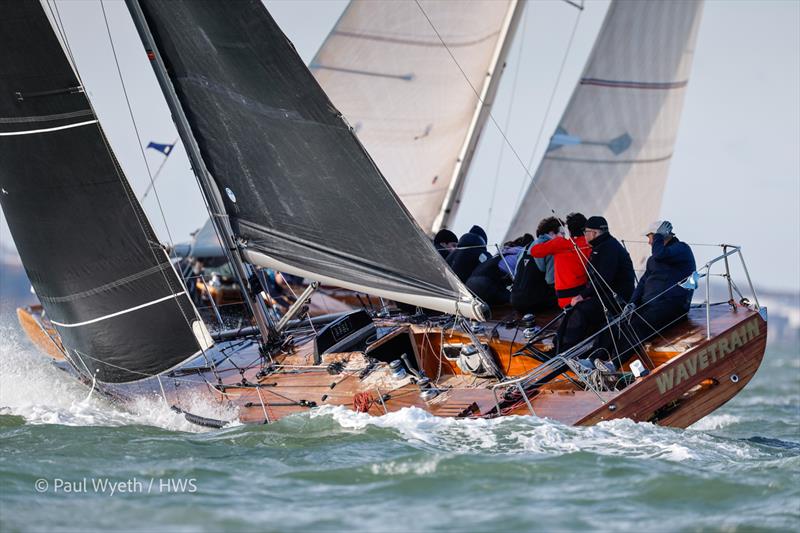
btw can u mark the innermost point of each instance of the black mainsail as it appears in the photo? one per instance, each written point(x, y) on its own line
point(90, 253)
point(302, 194)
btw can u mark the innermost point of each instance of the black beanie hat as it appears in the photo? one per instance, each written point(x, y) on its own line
point(596, 222)
point(443, 236)
point(576, 223)
point(477, 230)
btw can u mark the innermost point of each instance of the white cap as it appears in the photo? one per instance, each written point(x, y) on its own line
point(653, 227)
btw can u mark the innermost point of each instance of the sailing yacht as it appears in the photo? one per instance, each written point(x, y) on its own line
point(289, 186)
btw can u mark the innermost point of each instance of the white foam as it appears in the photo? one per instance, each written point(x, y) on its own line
point(402, 468)
point(712, 422)
point(530, 435)
point(418, 425)
point(31, 387)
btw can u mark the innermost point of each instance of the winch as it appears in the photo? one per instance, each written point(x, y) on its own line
point(470, 361)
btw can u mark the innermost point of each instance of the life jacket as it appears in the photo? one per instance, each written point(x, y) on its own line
point(530, 291)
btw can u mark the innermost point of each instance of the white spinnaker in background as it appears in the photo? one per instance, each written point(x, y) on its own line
point(386, 70)
point(611, 152)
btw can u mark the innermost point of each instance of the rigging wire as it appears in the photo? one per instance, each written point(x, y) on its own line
point(520, 52)
point(62, 32)
point(134, 203)
point(135, 125)
point(531, 178)
point(526, 168)
point(139, 214)
point(478, 96)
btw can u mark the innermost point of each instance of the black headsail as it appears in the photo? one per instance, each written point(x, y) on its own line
point(301, 192)
point(89, 251)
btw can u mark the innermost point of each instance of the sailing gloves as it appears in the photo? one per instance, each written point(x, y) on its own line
point(664, 229)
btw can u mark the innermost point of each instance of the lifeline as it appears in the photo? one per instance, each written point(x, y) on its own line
point(699, 361)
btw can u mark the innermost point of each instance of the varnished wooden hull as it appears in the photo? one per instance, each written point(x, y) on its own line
point(692, 376)
point(695, 383)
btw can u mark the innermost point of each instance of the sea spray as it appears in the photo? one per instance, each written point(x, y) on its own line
point(33, 388)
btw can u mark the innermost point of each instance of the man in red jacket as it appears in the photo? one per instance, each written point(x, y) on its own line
point(570, 267)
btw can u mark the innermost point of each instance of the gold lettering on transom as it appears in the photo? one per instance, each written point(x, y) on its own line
point(671, 377)
point(723, 348)
point(736, 340)
point(702, 358)
point(752, 329)
point(665, 380)
point(682, 374)
point(691, 365)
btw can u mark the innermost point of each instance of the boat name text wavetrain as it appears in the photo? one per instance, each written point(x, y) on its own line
point(709, 355)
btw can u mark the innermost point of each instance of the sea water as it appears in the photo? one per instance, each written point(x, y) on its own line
point(73, 461)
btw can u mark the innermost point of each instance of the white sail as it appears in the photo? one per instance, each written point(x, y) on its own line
point(611, 151)
point(386, 70)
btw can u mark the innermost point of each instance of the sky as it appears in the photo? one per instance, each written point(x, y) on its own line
point(734, 177)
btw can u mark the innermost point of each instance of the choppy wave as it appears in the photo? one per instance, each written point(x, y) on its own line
point(714, 421)
point(540, 437)
point(334, 469)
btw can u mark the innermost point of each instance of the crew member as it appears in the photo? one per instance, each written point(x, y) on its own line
point(659, 300)
point(445, 241)
point(479, 231)
point(548, 229)
point(491, 279)
point(489, 282)
point(570, 257)
point(610, 286)
point(513, 251)
point(531, 291)
point(470, 252)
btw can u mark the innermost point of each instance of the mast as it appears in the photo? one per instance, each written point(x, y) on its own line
point(482, 112)
point(209, 189)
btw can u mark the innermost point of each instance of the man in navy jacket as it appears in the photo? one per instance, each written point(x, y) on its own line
point(611, 280)
point(658, 300)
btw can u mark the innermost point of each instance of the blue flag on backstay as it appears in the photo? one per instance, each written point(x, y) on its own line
point(163, 148)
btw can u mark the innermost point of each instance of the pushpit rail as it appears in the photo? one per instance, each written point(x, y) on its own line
point(727, 251)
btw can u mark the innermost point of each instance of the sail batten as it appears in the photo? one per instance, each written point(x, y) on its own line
point(296, 184)
point(93, 260)
point(611, 151)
